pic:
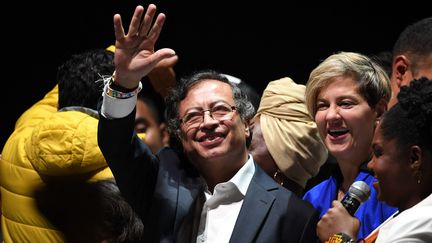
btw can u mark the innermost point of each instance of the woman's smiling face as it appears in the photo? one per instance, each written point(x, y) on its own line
point(390, 164)
point(345, 120)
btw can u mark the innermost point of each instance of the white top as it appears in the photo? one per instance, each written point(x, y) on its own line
point(413, 225)
point(220, 211)
point(117, 108)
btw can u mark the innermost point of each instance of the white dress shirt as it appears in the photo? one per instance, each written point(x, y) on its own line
point(220, 211)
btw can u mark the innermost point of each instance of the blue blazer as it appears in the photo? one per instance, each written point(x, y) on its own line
point(163, 188)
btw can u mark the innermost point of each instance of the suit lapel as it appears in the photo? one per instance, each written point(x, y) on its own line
point(178, 189)
point(257, 203)
point(188, 191)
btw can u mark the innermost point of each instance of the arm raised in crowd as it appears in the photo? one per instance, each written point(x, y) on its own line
point(135, 55)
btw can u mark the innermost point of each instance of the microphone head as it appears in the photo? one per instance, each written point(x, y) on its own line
point(360, 190)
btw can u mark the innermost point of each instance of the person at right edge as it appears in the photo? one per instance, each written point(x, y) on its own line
point(211, 191)
point(402, 162)
point(412, 56)
point(346, 94)
point(412, 59)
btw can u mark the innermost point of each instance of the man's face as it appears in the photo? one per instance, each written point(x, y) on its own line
point(145, 122)
point(212, 142)
point(403, 73)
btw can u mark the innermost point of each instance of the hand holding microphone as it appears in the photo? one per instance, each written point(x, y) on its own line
point(339, 218)
point(358, 192)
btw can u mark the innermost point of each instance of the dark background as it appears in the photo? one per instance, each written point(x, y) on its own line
point(254, 40)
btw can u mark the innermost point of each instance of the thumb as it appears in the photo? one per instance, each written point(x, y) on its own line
point(163, 54)
point(168, 62)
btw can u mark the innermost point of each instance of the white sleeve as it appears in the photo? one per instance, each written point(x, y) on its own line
point(113, 108)
point(414, 226)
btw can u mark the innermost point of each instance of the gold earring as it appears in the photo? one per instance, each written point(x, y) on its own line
point(278, 176)
point(418, 176)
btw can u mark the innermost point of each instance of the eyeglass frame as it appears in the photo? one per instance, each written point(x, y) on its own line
point(232, 107)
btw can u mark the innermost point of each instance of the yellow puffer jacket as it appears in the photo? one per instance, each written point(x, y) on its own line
point(45, 144)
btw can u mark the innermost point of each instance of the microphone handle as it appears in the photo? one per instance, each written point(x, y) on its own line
point(351, 204)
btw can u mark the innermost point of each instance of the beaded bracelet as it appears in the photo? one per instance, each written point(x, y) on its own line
point(340, 238)
point(119, 94)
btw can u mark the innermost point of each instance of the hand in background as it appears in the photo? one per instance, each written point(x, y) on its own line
point(163, 76)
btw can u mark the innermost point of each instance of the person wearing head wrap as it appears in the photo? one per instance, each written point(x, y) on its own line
point(285, 141)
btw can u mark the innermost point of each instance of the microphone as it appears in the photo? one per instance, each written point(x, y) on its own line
point(358, 192)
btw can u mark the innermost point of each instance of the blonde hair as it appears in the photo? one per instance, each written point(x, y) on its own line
point(373, 82)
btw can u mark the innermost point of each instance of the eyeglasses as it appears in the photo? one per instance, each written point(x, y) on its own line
point(221, 112)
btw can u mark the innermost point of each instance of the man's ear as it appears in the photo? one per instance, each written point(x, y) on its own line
point(251, 125)
point(400, 67)
point(247, 130)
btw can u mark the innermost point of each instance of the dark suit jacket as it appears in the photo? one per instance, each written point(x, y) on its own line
point(163, 188)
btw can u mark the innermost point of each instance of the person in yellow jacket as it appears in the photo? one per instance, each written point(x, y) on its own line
point(53, 140)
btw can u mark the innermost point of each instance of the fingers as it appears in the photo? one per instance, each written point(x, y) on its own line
point(168, 62)
point(147, 21)
point(133, 26)
point(324, 228)
point(140, 26)
point(118, 27)
point(162, 54)
point(135, 54)
point(157, 27)
point(135, 23)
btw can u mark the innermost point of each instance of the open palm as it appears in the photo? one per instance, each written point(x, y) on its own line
point(135, 55)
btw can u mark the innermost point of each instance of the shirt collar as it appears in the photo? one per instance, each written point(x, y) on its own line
point(244, 176)
point(241, 179)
